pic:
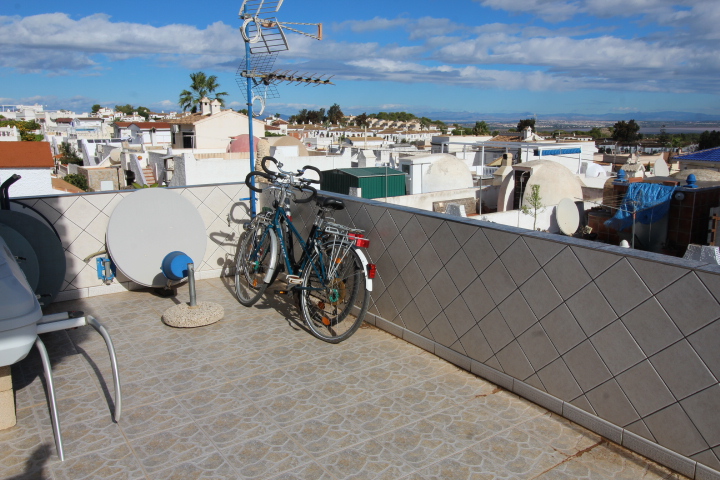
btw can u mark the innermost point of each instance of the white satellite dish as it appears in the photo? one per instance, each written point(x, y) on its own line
point(147, 225)
point(594, 170)
point(568, 217)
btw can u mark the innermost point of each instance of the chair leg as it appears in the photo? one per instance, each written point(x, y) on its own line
point(51, 397)
point(92, 321)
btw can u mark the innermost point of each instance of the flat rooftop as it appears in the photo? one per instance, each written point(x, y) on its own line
point(255, 396)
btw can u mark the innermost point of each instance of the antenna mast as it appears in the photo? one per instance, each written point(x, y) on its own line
point(264, 39)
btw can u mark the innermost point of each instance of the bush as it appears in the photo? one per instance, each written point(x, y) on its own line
point(77, 180)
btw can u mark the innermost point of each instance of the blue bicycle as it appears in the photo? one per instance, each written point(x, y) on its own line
point(332, 276)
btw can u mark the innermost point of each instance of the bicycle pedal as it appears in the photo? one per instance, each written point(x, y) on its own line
point(293, 280)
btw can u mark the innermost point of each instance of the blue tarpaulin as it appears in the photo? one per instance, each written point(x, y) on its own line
point(650, 201)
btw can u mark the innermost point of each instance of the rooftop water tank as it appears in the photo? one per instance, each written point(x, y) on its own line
point(20, 310)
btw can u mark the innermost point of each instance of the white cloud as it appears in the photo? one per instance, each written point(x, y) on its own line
point(377, 23)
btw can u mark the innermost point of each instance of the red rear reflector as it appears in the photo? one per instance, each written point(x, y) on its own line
point(371, 270)
point(359, 239)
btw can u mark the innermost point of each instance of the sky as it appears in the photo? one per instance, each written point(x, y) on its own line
point(420, 56)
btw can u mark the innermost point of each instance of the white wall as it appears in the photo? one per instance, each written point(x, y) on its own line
point(424, 201)
point(34, 181)
point(206, 171)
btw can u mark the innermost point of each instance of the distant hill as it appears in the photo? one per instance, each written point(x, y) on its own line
point(668, 116)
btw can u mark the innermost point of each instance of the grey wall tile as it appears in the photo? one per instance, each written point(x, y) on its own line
point(362, 219)
point(413, 278)
point(591, 310)
point(689, 304)
point(412, 318)
point(622, 287)
point(428, 261)
point(535, 382)
point(385, 306)
point(658, 453)
point(400, 217)
point(703, 408)
point(705, 343)
point(617, 347)
point(445, 243)
point(460, 317)
point(377, 212)
point(462, 231)
point(540, 294)
point(566, 273)
point(610, 403)
point(519, 262)
point(384, 225)
point(582, 403)
point(707, 459)
point(453, 357)
point(543, 250)
point(463, 273)
point(429, 224)
point(399, 253)
point(475, 344)
point(387, 268)
point(562, 328)
point(479, 251)
point(377, 247)
point(389, 327)
point(514, 362)
point(559, 381)
point(427, 304)
point(537, 396)
point(414, 235)
point(458, 347)
point(656, 275)
point(703, 472)
point(478, 299)
point(595, 261)
point(517, 313)
point(495, 330)
point(682, 370)
point(586, 366)
point(491, 374)
point(498, 281)
point(419, 341)
point(444, 288)
point(639, 428)
point(500, 240)
point(592, 422)
point(711, 282)
point(399, 293)
point(651, 327)
point(537, 347)
point(645, 389)
point(674, 430)
point(442, 331)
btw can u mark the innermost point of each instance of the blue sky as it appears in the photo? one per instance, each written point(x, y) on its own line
point(480, 56)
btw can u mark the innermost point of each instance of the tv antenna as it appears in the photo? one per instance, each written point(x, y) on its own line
point(264, 40)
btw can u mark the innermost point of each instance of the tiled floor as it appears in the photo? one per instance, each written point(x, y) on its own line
point(254, 396)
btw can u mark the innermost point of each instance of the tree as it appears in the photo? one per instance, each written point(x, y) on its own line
point(528, 122)
point(626, 131)
point(78, 180)
point(709, 140)
point(362, 120)
point(128, 109)
point(533, 204)
point(201, 86)
point(69, 155)
point(26, 129)
point(335, 114)
point(481, 128)
point(96, 108)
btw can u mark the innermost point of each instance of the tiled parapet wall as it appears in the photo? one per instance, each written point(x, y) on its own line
point(81, 221)
point(624, 342)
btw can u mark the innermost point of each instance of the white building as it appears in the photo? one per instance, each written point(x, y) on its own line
point(33, 161)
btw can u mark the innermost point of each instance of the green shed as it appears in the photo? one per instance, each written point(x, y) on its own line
point(374, 182)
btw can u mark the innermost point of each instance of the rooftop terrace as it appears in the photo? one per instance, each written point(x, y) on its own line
point(255, 396)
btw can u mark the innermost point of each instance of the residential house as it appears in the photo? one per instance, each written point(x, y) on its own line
point(709, 159)
point(9, 134)
point(33, 161)
point(146, 133)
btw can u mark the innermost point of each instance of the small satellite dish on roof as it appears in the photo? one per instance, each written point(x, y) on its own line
point(147, 225)
point(568, 217)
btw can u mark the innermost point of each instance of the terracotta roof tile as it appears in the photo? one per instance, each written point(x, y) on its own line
point(26, 155)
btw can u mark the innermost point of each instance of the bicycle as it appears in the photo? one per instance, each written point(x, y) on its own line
point(332, 275)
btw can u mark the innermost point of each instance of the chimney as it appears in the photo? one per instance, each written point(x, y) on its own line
point(527, 133)
point(205, 106)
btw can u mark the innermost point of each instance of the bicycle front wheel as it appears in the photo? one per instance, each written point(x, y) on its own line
point(331, 287)
point(255, 257)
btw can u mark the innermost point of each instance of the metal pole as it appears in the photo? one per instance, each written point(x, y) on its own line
point(191, 284)
point(253, 208)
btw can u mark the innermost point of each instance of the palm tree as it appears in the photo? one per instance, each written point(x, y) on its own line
point(201, 86)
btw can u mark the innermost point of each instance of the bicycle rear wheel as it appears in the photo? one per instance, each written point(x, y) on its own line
point(327, 305)
point(255, 257)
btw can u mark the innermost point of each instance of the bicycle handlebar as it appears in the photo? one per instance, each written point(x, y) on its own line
point(308, 199)
point(302, 185)
point(259, 174)
point(279, 172)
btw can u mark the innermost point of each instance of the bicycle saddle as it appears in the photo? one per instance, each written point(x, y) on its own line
point(327, 202)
